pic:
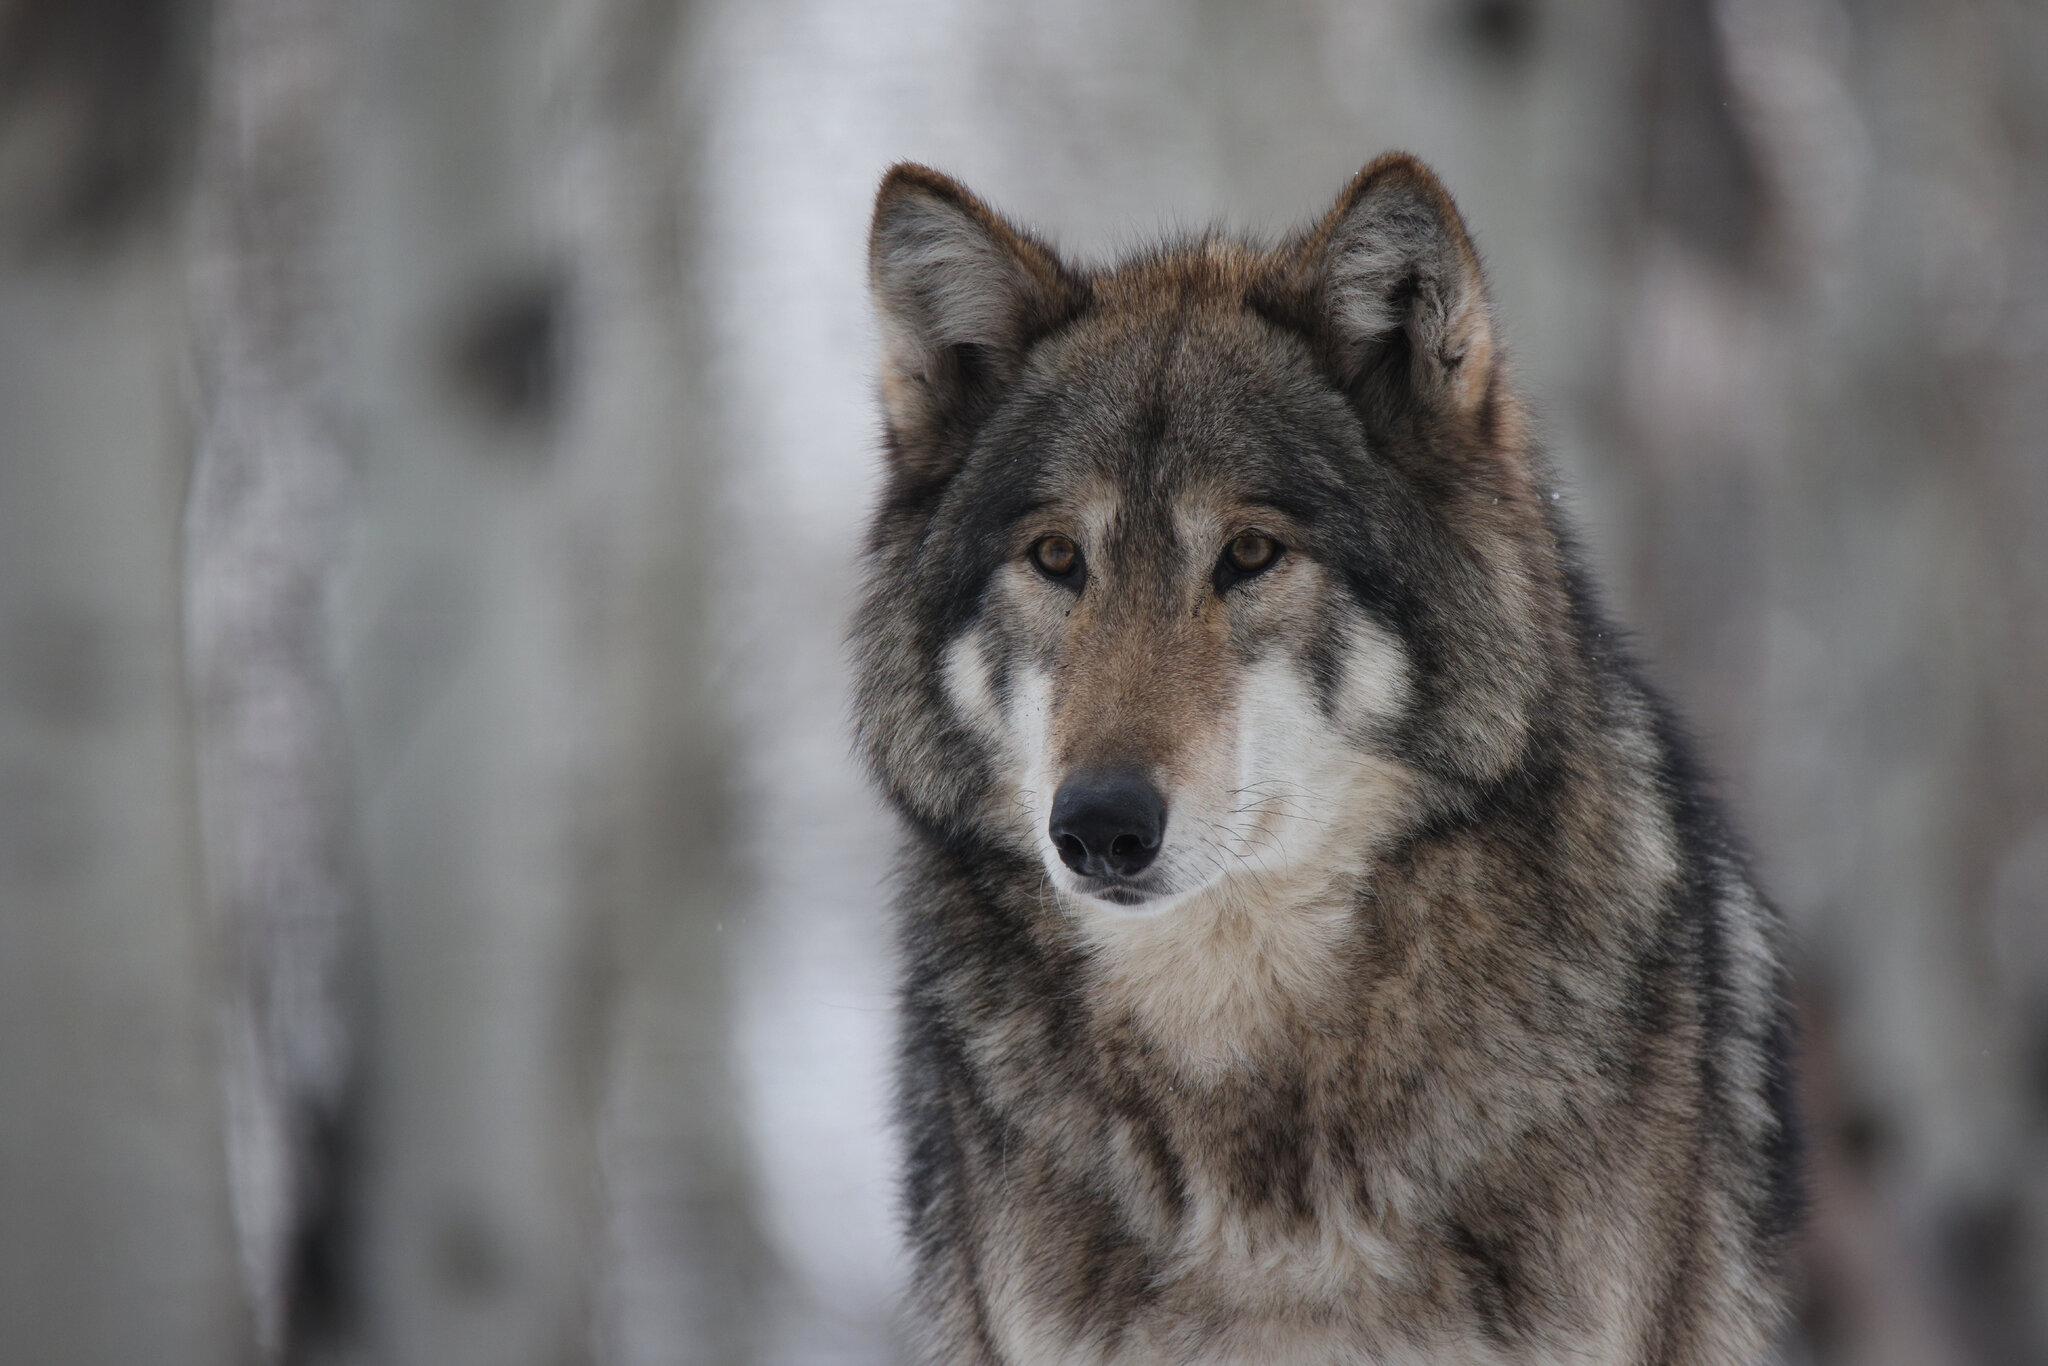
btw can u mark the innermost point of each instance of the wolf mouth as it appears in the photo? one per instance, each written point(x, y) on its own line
point(1118, 892)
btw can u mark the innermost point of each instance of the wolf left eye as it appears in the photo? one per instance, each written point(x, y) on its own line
point(1246, 556)
point(1250, 554)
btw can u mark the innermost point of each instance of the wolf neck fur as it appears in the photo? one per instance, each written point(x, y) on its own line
point(1229, 973)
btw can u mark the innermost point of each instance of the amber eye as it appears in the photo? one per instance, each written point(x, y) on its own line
point(1250, 554)
point(1055, 556)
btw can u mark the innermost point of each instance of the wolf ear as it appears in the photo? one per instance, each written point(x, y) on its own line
point(1389, 280)
point(962, 295)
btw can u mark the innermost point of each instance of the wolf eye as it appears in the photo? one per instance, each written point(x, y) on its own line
point(1055, 556)
point(1250, 554)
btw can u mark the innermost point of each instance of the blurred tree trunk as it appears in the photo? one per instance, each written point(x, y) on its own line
point(684, 1274)
point(114, 1242)
point(113, 1239)
point(462, 782)
point(263, 532)
point(115, 1245)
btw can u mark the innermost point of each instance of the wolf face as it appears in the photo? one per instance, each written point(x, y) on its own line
point(1316, 944)
point(1170, 682)
point(1180, 640)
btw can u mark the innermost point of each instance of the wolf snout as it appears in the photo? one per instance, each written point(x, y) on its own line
point(1107, 823)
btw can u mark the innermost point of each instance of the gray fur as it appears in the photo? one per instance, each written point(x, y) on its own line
point(1448, 1025)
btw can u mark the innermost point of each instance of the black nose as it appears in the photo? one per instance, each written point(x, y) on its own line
point(1107, 823)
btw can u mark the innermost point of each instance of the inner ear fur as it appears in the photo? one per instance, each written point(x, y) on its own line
point(1390, 286)
point(962, 295)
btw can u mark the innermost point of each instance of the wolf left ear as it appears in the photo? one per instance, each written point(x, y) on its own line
point(962, 295)
point(1389, 281)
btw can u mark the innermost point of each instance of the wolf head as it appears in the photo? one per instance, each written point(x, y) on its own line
point(1224, 563)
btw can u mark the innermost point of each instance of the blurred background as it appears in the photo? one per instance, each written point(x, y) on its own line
point(439, 922)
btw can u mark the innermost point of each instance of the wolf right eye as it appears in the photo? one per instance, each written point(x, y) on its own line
point(1056, 556)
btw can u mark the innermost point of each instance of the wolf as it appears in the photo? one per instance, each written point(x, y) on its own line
point(1318, 944)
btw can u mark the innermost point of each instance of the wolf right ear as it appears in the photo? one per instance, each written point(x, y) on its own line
point(1390, 282)
point(962, 295)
